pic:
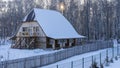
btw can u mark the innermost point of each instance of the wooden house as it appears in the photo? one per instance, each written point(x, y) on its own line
point(45, 29)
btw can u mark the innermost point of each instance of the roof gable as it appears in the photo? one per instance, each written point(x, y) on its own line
point(54, 24)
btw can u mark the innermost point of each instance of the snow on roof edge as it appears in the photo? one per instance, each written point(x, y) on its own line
point(69, 37)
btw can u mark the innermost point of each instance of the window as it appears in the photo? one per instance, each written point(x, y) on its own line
point(34, 29)
point(37, 29)
point(24, 29)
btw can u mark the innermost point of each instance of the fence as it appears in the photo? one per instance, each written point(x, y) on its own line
point(38, 61)
point(4, 41)
point(104, 58)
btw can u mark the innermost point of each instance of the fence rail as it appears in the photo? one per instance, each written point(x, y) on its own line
point(42, 60)
point(104, 58)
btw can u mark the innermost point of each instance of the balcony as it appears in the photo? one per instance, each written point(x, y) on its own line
point(28, 34)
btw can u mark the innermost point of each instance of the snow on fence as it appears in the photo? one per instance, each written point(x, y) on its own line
point(42, 60)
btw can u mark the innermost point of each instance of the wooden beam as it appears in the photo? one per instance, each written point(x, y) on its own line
point(67, 44)
point(74, 42)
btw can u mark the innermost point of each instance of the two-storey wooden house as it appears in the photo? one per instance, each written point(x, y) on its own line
point(45, 29)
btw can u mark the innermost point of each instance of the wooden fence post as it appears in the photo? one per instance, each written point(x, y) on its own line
point(92, 60)
point(100, 59)
point(112, 52)
point(25, 63)
point(117, 50)
point(57, 66)
point(72, 64)
point(107, 53)
point(82, 62)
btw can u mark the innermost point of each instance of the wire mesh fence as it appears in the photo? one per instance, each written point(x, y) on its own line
point(105, 57)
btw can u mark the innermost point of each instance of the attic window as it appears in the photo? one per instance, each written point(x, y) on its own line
point(24, 29)
point(37, 29)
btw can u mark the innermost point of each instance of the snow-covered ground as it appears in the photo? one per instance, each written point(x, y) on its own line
point(116, 64)
point(7, 53)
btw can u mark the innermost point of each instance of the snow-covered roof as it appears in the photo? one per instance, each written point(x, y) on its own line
point(54, 24)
